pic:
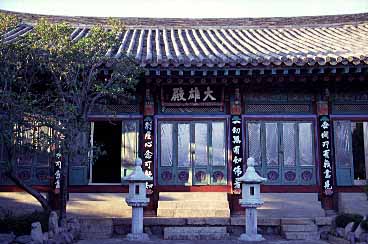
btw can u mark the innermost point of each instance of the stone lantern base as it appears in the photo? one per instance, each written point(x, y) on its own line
point(254, 237)
point(250, 225)
point(137, 237)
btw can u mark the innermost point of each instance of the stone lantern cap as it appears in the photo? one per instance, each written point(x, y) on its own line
point(137, 175)
point(250, 175)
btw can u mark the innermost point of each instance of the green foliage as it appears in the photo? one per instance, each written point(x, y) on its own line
point(57, 80)
point(343, 219)
point(8, 22)
point(21, 224)
point(48, 79)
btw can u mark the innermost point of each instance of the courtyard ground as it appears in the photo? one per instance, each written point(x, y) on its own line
point(154, 240)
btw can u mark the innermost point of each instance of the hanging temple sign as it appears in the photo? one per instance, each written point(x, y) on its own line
point(188, 95)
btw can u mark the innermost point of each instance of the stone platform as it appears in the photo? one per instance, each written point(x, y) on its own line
point(94, 205)
point(193, 204)
point(176, 228)
point(105, 205)
point(270, 239)
point(185, 205)
point(291, 205)
point(18, 203)
point(353, 203)
point(103, 215)
point(215, 204)
point(196, 233)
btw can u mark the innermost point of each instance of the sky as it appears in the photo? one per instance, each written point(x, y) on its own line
point(187, 8)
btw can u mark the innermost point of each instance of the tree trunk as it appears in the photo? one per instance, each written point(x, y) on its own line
point(64, 190)
point(52, 196)
point(42, 200)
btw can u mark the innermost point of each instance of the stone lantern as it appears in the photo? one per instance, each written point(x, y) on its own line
point(251, 199)
point(137, 199)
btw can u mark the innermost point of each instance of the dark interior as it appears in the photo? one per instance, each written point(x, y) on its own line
point(358, 151)
point(107, 141)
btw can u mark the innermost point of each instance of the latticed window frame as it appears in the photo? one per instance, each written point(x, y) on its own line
point(210, 155)
point(299, 169)
point(278, 107)
point(345, 173)
point(197, 110)
point(350, 107)
point(115, 109)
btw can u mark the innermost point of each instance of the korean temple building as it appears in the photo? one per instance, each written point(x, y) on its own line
point(290, 92)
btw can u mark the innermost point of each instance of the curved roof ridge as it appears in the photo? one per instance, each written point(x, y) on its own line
point(234, 46)
point(269, 22)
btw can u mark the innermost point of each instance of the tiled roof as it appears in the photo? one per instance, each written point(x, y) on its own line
point(236, 45)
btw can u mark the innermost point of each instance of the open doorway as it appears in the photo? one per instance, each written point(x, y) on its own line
point(107, 138)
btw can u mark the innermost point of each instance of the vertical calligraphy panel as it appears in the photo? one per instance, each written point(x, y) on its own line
point(57, 172)
point(236, 152)
point(148, 150)
point(325, 154)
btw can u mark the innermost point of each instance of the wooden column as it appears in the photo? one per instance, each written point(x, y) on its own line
point(235, 104)
point(236, 161)
point(148, 134)
point(149, 105)
point(327, 164)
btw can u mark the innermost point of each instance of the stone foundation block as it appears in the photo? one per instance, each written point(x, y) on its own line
point(122, 221)
point(122, 229)
point(301, 235)
point(94, 236)
point(137, 237)
point(269, 221)
point(237, 221)
point(296, 221)
point(299, 228)
point(261, 221)
point(337, 240)
point(164, 221)
point(208, 221)
point(195, 233)
point(96, 228)
point(323, 220)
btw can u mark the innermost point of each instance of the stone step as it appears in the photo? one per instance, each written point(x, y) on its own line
point(283, 213)
point(275, 211)
point(180, 196)
point(193, 213)
point(299, 228)
point(297, 221)
point(301, 235)
point(195, 233)
point(193, 204)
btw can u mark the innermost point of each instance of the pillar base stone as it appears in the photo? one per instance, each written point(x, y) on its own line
point(137, 237)
point(246, 237)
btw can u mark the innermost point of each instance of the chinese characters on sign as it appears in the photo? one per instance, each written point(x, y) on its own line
point(325, 148)
point(57, 172)
point(192, 96)
point(237, 152)
point(148, 152)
